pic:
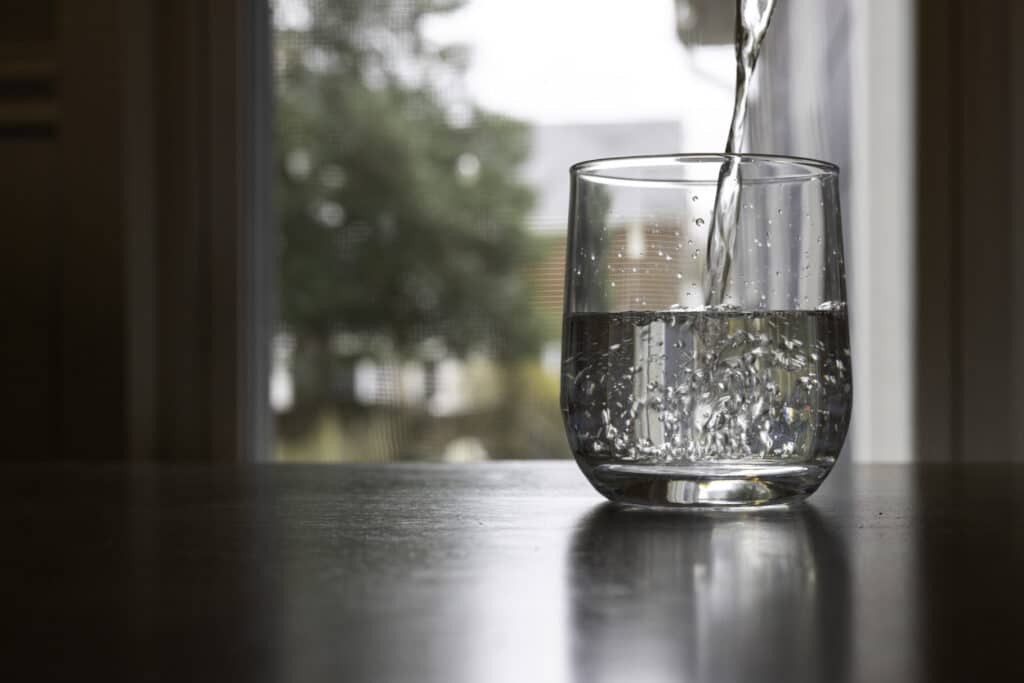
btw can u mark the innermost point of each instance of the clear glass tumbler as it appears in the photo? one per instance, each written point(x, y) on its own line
point(670, 401)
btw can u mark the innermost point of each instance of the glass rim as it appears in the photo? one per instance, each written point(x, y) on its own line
point(592, 169)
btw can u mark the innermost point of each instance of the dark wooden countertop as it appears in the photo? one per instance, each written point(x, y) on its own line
point(500, 572)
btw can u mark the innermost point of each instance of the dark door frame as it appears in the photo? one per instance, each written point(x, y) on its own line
point(166, 268)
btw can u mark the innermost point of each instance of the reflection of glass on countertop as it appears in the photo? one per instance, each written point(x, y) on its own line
point(713, 596)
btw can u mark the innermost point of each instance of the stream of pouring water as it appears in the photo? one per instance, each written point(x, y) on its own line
point(752, 19)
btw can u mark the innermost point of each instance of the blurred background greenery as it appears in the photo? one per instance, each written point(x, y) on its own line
point(408, 324)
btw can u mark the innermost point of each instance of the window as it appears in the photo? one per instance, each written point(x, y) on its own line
point(421, 159)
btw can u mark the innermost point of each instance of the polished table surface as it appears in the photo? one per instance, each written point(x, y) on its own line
point(503, 572)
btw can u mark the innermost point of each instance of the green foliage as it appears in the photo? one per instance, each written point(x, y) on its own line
point(397, 220)
point(402, 235)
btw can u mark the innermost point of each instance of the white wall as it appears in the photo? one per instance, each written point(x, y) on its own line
point(882, 230)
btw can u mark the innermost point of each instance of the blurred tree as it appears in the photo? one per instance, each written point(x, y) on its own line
point(401, 215)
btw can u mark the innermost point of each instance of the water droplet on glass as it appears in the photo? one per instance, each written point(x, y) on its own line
point(699, 222)
point(695, 199)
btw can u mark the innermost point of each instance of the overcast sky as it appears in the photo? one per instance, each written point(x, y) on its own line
point(581, 61)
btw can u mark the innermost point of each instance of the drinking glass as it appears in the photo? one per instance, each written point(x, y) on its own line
point(671, 401)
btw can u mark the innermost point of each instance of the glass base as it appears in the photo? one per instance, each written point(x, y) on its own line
point(706, 485)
